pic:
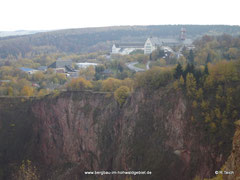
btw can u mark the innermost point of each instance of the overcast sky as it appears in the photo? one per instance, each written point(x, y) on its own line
point(63, 14)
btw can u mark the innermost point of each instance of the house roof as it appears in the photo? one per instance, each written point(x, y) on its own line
point(69, 68)
point(165, 41)
point(170, 41)
point(42, 68)
point(187, 42)
point(26, 69)
point(155, 41)
point(86, 64)
point(60, 64)
point(129, 45)
point(161, 41)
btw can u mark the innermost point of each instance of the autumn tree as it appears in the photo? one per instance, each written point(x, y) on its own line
point(10, 91)
point(87, 73)
point(6, 71)
point(182, 60)
point(97, 85)
point(110, 84)
point(199, 94)
point(223, 72)
point(153, 78)
point(27, 171)
point(181, 81)
point(233, 53)
point(79, 84)
point(61, 77)
point(162, 62)
point(27, 91)
point(38, 76)
point(191, 85)
point(121, 94)
point(42, 92)
point(128, 82)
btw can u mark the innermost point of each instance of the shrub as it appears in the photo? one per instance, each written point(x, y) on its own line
point(191, 85)
point(79, 84)
point(110, 84)
point(154, 78)
point(27, 91)
point(26, 172)
point(121, 94)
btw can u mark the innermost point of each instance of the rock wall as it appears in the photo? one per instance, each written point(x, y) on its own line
point(83, 131)
point(231, 169)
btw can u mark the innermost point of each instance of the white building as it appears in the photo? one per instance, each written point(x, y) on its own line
point(127, 48)
point(150, 45)
point(85, 65)
point(153, 43)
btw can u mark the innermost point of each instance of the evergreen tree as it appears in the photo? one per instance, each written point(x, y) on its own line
point(197, 74)
point(99, 69)
point(192, 68)
point(120, 68)
point(189, 69)
point(208, 58)
point(206, 69)
point(178, 71)
point(191, 57)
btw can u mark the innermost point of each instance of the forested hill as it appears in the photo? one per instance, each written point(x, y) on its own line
point(99, 39)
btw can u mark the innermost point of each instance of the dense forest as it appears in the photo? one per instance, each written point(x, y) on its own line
point(99, 39)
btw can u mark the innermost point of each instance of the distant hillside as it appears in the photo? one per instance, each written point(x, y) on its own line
point(99, 39)
point(17, 33)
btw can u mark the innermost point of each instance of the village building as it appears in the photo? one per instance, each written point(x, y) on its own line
point(86, 65)
point(153, 43)
point(64, 66)
point(126, 48)
point(42, 68)
point(28, 70)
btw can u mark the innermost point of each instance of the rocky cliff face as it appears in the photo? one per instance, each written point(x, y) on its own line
point(83, 131)
point(231, 169)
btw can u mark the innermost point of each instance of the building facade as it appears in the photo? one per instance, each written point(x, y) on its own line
point(62, 66)
point(28, 70)
point(126, 48)
point(153, 43)
point(86, 65)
